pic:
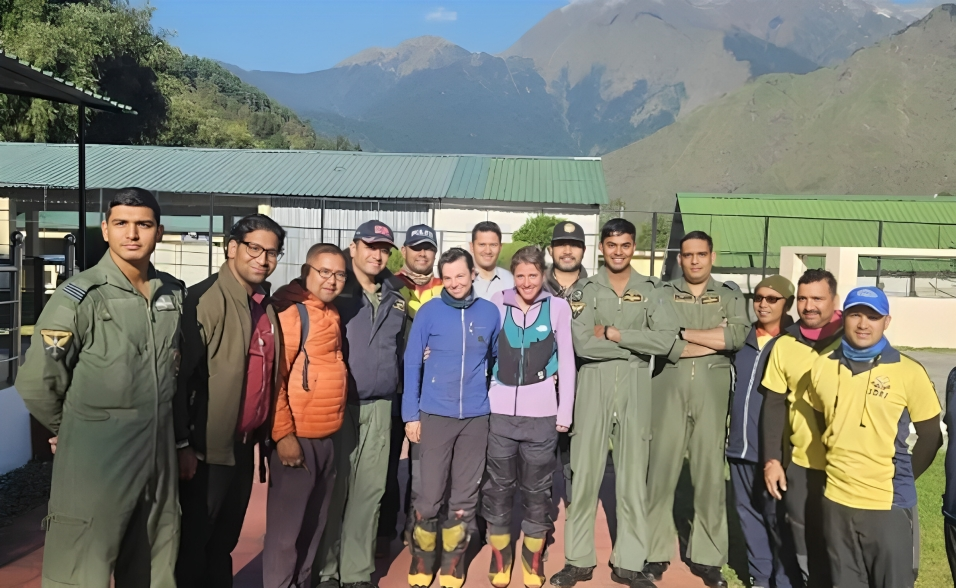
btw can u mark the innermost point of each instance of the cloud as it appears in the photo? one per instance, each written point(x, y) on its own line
point(441, 14)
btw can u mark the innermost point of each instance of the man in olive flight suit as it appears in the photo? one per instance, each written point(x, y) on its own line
point(619, 325)
point(690, 406)
point(100, 374)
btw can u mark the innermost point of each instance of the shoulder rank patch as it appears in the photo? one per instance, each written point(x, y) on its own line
point(577, 307)
point(632, 296)
point(75, 292)
point(681, 297)
point(399, 305)
point(56, 343)
point(710, 299)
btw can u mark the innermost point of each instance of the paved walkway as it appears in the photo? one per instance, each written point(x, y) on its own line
point(21, 568)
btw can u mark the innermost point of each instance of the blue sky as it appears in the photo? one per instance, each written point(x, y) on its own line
point(308, 35)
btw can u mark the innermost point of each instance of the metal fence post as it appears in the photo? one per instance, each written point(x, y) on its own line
point(766, 239)
point(69, 254)
point(16, 257)
point(879, 260)
point(653, 241)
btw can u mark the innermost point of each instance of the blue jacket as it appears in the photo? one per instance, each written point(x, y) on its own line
point(463, 344)
point(949, 498)
point(749, 364)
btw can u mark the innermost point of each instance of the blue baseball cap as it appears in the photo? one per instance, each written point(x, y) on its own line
point(868, 296)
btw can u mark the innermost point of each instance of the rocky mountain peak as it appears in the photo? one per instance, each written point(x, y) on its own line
point(426, 52)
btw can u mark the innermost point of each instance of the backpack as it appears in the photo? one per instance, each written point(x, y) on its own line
point(304, 334)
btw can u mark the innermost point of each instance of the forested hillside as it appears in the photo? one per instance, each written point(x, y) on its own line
point(110, 47)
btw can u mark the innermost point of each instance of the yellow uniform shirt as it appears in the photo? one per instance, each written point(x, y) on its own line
point(868, 417)
point(788, 372)
point(416, 295)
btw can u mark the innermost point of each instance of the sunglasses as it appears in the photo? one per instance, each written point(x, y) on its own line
point(770, 299)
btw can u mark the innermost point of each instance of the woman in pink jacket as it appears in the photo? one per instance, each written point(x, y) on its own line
point(532, 397)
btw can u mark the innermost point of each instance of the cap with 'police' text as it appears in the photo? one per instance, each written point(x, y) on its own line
point(868, 296)
point(374, 231)
point(568, 231)
point(420, 234)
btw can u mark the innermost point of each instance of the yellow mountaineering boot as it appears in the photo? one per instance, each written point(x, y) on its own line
point(454, 542)
point(502, 557)
point(532, 561)
point(424, 556)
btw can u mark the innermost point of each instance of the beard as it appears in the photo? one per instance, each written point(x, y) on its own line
point(573, 266)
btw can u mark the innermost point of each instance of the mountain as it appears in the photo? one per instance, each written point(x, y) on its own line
point(878, 123)
point(590, 77)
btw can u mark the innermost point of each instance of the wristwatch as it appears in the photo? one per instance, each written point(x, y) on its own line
point(680, 334)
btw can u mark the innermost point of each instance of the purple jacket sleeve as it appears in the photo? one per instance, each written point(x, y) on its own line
point(561, 325)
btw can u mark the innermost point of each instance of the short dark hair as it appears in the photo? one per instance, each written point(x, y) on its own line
point(700, 236)
point(812, 276)
point(134, 197)
point(256, 222)
point(618, 226)
point(453, 255)
point(324, 248)
point(528, 254)
point(485, 227)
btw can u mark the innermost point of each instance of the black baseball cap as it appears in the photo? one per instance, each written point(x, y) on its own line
point(568, 231)
point(420, 234)
point(374, 231)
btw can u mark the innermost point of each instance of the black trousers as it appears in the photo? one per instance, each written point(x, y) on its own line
point(520, 456)
point(214, 506)
point(296, 511)
point(804, 502)
point(770, 552)
point(869, 548)
point(451, 450)
point(949, 530)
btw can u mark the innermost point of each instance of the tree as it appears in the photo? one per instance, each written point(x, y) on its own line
point(537, 230)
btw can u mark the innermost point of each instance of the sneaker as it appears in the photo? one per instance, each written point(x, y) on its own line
point(571, 575)
point(711, 575)
point(655, 569)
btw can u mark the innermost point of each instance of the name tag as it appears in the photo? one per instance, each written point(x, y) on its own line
point(632, 296)
point(710, 299)
point(686, 298)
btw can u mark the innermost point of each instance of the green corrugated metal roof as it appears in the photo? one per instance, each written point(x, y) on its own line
point(309, 173)
point(736, 223)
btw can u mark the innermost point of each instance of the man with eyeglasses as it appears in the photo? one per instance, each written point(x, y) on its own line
point(224, 398)
point(373, 321)
point(309, 407)
point(770, 553)
point(421, 285)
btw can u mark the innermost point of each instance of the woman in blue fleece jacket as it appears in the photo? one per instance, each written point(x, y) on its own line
point(445, 408)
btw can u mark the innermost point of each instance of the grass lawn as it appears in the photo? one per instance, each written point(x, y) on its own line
point(934, 567)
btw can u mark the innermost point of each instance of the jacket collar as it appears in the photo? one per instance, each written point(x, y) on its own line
point(230, 284)
point(682, 285)
point(796, 333)
point(112, 275)
point(510, 297)
point(636, 279)
point(553, 284)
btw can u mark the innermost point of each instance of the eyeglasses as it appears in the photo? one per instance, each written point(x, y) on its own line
point(256, 250)
point(325, 273)
point(770, 299)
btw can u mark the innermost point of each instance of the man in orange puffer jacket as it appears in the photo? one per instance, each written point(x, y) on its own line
point(310, 405)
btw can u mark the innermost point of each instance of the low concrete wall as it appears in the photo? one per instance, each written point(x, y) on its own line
point(14, 431)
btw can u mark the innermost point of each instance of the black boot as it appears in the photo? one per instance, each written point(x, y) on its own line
point(655, 569)
point(631, 578)
point(571, 575)
point(709, 574)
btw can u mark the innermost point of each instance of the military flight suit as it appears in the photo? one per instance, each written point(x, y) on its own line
point(691, 400)
point(613, 409)
point(100, 374)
